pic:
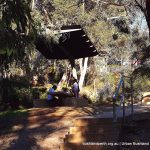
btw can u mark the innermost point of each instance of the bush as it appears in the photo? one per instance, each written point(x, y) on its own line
point(35, 93)
point(15, 92)
point(20, 82)
point(25, 97)
point(39, 93)
point(104, 89)
point(141, 84)
point(13, 99)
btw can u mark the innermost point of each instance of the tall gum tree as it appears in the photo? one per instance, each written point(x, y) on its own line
point(143, 5)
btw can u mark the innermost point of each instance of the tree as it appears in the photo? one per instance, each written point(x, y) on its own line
point(144, 7)
point(16, 30)
point(96, 21)
point(134, 10)
point(131, 6)
point(83, 68)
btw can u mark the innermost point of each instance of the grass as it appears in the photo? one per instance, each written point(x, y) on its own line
point(13, 113)
point(7, 119)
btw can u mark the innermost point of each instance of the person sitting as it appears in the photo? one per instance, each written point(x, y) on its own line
point(75, 88)
point(50, 97)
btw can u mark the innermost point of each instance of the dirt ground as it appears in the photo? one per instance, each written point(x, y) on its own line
point(135, 133)
point(45, 129)
point(41, 129)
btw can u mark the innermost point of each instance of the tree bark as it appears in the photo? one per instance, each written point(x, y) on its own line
point(63, 80)
point(148, 14)
point(146, 11)
point(83, 68)
point(33, 2)
point(74, 73)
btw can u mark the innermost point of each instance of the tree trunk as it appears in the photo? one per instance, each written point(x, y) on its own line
point(68, 76)
point(83, 67)
point(83, 7)
point(148, 14)
point(33, 3)
point(106, 60)
point(62, 81)
point(74, 73)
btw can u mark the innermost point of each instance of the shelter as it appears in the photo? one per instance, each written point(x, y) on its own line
point(73, 44)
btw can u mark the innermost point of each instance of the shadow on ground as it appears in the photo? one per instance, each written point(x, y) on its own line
point(39, 129)
point(135, 134)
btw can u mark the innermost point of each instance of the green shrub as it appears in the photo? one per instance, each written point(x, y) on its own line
point(16, 92)
point(20, 82)
point(35, 93)
point(25, 97)
point(43, 93)
point(141, 84)
point(9, 95)
point(39, 93)
point(13, 98)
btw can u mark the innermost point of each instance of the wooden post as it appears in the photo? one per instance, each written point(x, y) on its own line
point(131, 82)
point(141, 97)
point(123, 100)
point(83, 6)
point(94, 87)
point(114, 109)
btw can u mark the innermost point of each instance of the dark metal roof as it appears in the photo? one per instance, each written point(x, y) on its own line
point(73, 44)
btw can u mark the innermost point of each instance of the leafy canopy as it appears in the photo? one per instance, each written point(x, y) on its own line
point(16, 30)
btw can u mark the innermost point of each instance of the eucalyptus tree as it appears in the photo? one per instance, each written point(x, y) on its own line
point(94, 18)
point(16, 30)
point(132, 7)
point(58, 13)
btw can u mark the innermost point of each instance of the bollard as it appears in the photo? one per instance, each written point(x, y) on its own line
point(114, 109)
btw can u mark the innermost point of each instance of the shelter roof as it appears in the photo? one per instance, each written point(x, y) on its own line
point(73, 44)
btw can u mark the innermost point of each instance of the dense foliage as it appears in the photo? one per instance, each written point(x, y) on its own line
point(118, 28)
point(16, 30)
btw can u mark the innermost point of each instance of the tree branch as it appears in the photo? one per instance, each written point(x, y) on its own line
point(116, 4)
point(140, 6)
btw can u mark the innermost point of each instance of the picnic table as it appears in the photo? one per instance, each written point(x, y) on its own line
point(60, 94)
point(60, 97)
point(67, 99)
